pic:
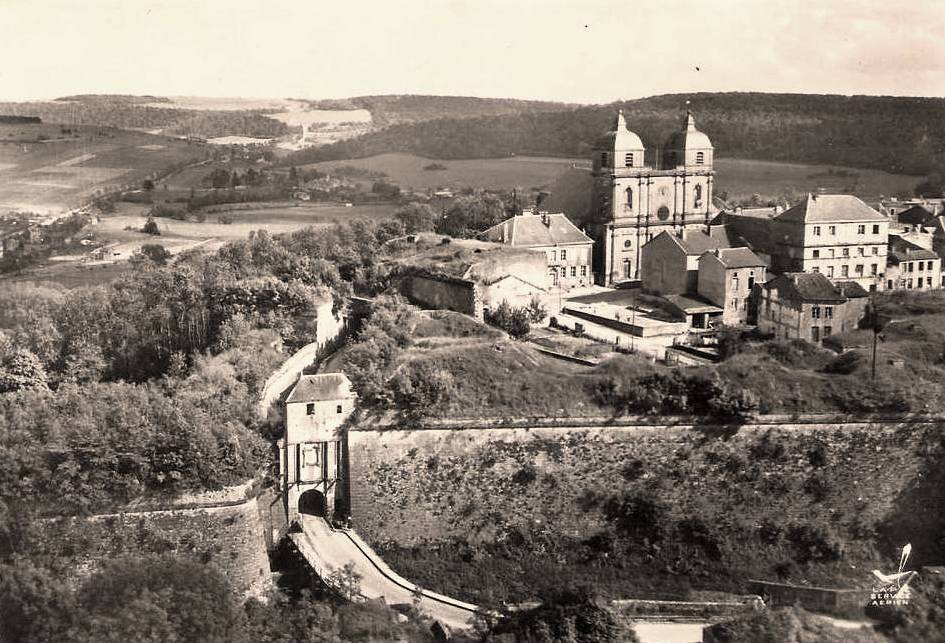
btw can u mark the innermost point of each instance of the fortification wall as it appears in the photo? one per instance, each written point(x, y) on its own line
point(436, 485)
point(232, 537)
point(443, 293)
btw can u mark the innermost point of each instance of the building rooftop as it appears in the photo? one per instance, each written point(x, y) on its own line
point(319, 388)
point(692, 304)
point(830, 208)
point(902, 250)
point(542, 229)
point(696, 242)
point(916, 215)
point(806, 286)
point(737, 257)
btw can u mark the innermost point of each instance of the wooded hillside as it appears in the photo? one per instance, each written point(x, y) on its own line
point(904, 135)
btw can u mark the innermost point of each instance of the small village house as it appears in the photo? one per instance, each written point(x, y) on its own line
point(912, 267)
point(568, 250)
point(671, 262)
point(807, 305)
point(727, 277)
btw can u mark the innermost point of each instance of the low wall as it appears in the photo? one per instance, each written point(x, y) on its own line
point(443, 293)
point(839, 602)
point(638, 609)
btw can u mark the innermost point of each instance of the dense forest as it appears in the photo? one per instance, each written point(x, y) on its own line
point(904, 135)
point(391, 110)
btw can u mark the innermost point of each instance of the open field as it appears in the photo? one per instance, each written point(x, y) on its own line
point(49, 169)
point(738, 177)
point(743, 177)
point(499, 174)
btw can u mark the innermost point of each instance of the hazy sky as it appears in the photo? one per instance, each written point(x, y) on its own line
point(569, 50)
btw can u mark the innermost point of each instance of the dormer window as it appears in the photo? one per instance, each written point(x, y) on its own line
point(628, 159)
point(700, 158)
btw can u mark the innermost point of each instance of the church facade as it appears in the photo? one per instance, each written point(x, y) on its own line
point(639, 193)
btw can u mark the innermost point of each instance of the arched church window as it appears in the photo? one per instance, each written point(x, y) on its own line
point(698, 195)
point(628, 159)
point(700, 158)
point(629, 198)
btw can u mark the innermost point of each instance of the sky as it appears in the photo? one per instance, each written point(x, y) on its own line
point(581, 51)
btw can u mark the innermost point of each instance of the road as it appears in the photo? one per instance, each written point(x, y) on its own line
point(327, 550)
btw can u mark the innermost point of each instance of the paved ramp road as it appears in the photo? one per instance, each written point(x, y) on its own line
point(327, 550)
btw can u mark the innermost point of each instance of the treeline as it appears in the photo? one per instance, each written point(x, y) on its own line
point(130, 112)
point(389, 110)
point(902, 135)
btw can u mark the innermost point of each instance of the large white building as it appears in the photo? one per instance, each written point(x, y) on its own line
point(639, 193)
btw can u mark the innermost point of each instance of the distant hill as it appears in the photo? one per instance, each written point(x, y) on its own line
point(902, 135)
point(393, 110)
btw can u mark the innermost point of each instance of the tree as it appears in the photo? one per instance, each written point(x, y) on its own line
point(345, 581)
point(147, 185)
point(514, 321)
point(151, 227)
point(156, 253)
point(470, 215)
point(22, 370)
point(417, 217)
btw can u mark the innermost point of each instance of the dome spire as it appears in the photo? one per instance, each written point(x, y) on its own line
point(621, 122)
point(690, 121)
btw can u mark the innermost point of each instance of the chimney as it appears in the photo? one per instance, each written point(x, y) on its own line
point(546, 219)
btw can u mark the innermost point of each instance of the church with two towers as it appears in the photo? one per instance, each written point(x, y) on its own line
point(638, 193)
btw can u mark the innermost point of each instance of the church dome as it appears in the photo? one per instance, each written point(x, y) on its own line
point(620, 137)
point(689, 138)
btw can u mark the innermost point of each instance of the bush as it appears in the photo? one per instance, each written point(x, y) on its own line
point(514, 321)
point(151, 227)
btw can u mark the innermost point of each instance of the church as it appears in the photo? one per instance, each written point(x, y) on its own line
point(639, 193)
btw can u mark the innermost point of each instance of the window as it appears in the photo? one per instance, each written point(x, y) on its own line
point(921, 266)
point(564, 271)
point(626, 269)
point(858, 270)
point(554, 255)
point(309, 409)
point(875, 250)
point(700, 158)
point(583, 271)
point(815, 312)
point(310, 456)
point(909, 284)
point(861, 229)
point(876, 229)
point(861, 251)
point(564, 254)
point(846, 252)
point(828, 330)
point(697, 201)
point(815, 269)
point(816, 254)
point(574, 271)
point(930, 265)
point(628, 159)
point(889, 284)
point(815, 334)
point(844, 270)
point(751, 282)
point(338, 409)
point(629, 198)
point(833, 253)
point(874, 269)
point(816, 230)
point(828, 312)
point(833, 230)
point(910, 267)
point(928, 282)
point(830, 271)
point(603, 158)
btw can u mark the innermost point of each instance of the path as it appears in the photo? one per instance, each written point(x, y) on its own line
point(327, 550)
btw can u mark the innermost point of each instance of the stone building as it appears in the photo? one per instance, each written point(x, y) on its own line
point(568, 250)
point(836, 235)
point(806, 305)
point(670, 262)
point(727, 277)
point(912, 267)
point(639, 193)
point(310, 452)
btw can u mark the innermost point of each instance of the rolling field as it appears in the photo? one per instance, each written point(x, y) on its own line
point(738, 177)
point(498, 174)
point(50, 169)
